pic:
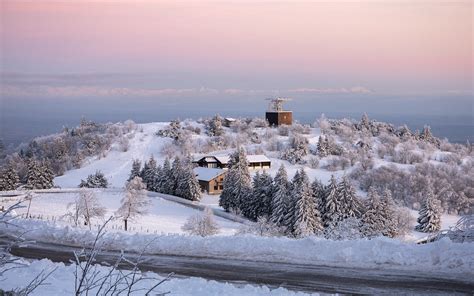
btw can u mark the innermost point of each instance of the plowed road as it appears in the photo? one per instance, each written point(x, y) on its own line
point(301, 277)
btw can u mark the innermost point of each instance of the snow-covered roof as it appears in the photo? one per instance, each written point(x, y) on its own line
point(224, 159)
point(257, 158)
point(207, 174)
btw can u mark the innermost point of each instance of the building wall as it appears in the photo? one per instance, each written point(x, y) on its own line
point(214, 186)
point(279, 118)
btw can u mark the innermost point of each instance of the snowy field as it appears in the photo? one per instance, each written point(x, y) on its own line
point(61, 282)
point(164, 217)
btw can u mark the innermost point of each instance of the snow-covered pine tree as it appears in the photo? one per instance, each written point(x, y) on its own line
point(135, 201)
point(350, 204)
point(332, 205)
point(364, 122)
point(157, 179)
point(319, 195)
point(188, 186)
point(39, 175)
point(289, 219)
point(258, 203)
point(280, 197)
point(148, 173)
point(166, 178)
point(136, 169)
point(389, 214)
point(307, 219)
point(322, 149)
point(214, 126)
point(429, 219)
point(176, 172)
point(9, 179)
point(373, 222)
point(250, 202)
point(237, 182)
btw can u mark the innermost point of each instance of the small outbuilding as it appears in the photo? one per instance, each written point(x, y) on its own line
point(210, 179)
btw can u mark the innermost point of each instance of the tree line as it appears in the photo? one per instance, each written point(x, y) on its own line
point(301, 208)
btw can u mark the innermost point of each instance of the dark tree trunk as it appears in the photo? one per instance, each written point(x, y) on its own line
point(125, 221)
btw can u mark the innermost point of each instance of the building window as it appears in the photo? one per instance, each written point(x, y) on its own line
point(216, 187)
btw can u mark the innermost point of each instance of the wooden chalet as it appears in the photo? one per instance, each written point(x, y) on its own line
point(210, 179)
point(256, 162)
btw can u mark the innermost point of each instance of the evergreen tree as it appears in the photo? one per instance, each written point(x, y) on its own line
point(373, 222)
point(237, 182)
point(136, 169)
point(280, 197)
point(389, 214)
point(214, 127)
point(188, 185)
point(364, 122)
point(429, 219)
point(258, 203)
point(332, 205)
point(148, 173)
point(322, 149)
point(157, 182)
point(289, 219)
point(176, 173)
point(166, 178)
point(350, 204)
point(39, 175)
point(9, 179)
point(319, 195)
point(307, 219)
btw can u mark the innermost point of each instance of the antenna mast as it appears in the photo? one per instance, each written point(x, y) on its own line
point(276, 104)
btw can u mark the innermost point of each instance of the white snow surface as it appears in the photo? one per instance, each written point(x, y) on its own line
point(440, 256)
point(163, 216)
point(61, 282)
point(116, 165)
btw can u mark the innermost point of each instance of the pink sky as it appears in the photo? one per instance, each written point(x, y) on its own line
point(377, 45)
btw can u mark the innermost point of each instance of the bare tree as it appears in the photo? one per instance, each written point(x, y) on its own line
point(135, 202)
point(90, 280)
point(87, 206)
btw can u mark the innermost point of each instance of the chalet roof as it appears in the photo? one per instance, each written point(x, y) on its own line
point(207, 174)
point(224, 159)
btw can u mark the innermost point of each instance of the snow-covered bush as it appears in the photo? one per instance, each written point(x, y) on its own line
point(347, 229)
point(404, 221)
point(96, 180)
point(201, 224)
point(284, 130)
point(336, 163)
point(313, 162)
point(263, 227)
point(297, 150)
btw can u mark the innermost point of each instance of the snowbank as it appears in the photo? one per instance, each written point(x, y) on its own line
point(440, 256)
point(61, 282)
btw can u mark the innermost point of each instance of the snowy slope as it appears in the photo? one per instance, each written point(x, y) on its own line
point(117, 164)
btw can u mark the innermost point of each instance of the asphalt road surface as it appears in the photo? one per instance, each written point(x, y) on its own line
point(300, 277)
